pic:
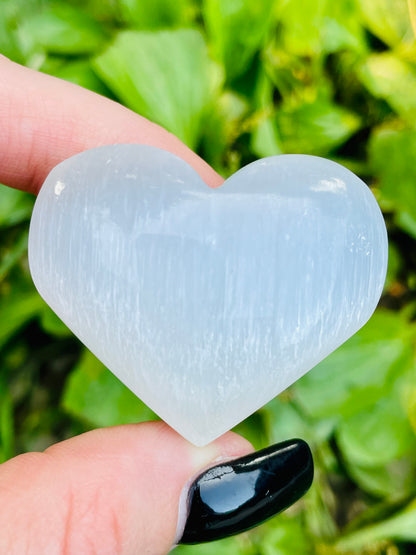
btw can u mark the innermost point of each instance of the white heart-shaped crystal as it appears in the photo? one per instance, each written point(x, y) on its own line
point(206, 302)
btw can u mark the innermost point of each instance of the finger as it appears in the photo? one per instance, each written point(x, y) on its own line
point(44, 120)
point(111, 491)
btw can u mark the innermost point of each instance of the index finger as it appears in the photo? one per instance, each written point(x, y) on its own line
point(44, 120)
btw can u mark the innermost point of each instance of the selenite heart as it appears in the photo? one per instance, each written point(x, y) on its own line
point(206, 302)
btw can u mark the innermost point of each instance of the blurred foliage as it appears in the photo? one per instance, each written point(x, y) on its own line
point(239, 79)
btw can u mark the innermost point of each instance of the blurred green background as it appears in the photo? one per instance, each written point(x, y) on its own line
point(237, 80)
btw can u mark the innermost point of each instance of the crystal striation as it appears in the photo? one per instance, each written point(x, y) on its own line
point(207, 302)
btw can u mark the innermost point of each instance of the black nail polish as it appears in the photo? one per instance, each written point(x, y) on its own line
point(237, 495)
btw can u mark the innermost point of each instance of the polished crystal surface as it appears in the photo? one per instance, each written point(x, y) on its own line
point(206, 302)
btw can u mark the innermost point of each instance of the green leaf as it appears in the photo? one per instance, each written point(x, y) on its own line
point(16, 310)
point(387, 19)
point(237, 29)
point(311, 27)
point(377, 436)
point(316, 127)
point(63, 29)
point(80, 73)
point(165, 76)
point(401, 526)
point(284, 420)
point(360, 372)
point(155, 14)
point(15, 206)
point(12, 255)
point(288, 536)
point(392, 154)
point(52, 324)
point(265, 139)
point(94, 394)
point(9, 42)
point(395, 264)
point(222, 128)
point(239, 545)
point(253, 429)
point(388, 77)
point(6, 423)
point(393, 480)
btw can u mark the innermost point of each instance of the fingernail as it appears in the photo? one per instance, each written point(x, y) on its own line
point(236, 495)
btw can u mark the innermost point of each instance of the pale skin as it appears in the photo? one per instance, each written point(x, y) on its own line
point(115, 490)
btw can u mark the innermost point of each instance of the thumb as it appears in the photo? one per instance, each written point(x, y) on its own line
point(117, 490)
point(112, 491)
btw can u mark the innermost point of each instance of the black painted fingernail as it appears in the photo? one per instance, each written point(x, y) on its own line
point(237, 495)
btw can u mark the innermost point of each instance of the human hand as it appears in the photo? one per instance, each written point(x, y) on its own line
point(117, 490)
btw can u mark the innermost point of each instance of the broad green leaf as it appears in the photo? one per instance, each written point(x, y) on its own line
point(411, 406)
point(165, 76)
point(311, 27)
point(81, 73)
point(360, 372)
point(12, 255)
point(254, 430)
point(288, 536)
point(155, 14)
point(237, 29)
point(284, 420)
point(392, 154)
point(378, 435)
point(394, 480)
point(265, 139)
point(316, 127)
point(6, 423)
point(94, 394)
point(9, 43)
point(52, 324)
point(15, 206)
point(17, 310)
point(388, 77)
point(63, 29)
point(387, 19)
point(222, 128)
point(400, 526)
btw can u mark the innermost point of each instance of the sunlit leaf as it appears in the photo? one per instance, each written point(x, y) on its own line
point(165, 76)
point(392, 154)
point(265, 140)
point(237, 29)
point(377, 436)
point(387, 19)
point(287, 536)
point(15, 206)
point(81, 73)
point(315, 128)
point(64, 29)
point(401, 526)
point(155, 14)
point(314, 26)
point(393, 480)
point(222, 128)
point(388, 77)
point(94, 394)
point(360, 372)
